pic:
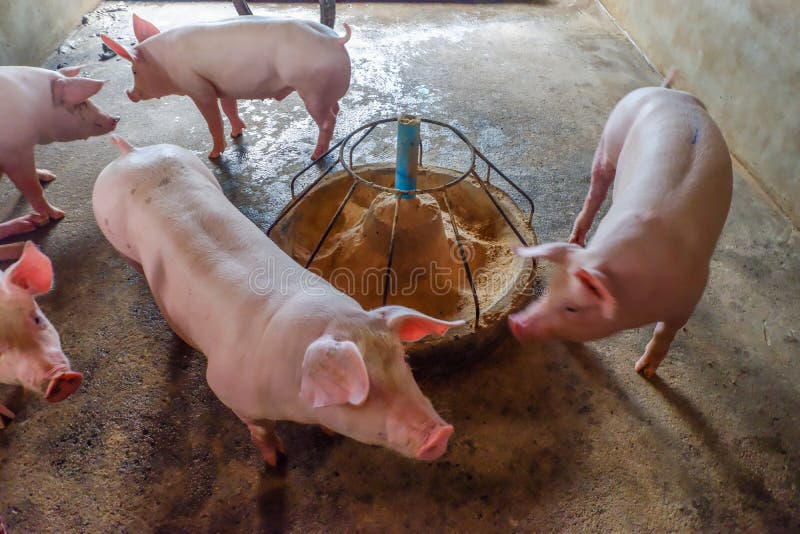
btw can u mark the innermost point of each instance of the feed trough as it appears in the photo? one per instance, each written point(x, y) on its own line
point(433, 238)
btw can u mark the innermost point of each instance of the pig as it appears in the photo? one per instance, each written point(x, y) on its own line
point(40, 106)
point(281, 343)
point(649, 258)
point(249, 57)
point(30, 348)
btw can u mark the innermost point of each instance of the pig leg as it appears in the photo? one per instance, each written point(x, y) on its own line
point(657, 349)
point(603, 172)
point(231, 111)
point(12, 251)
point(262, 433)
point(22, 225)
point(209, 108)
point(325, 117)
point(23, 174)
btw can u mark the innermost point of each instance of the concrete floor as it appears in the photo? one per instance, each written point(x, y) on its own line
point(548, 437)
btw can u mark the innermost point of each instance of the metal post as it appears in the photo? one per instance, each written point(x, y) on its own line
point(241, 7)
point(327, 12)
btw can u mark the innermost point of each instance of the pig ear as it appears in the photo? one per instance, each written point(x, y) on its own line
point(70, 71)
point(555, 252)
point(71, 91)
point(597, 284)
point(411, 325)
point(33, 271)
point(143, 29)
point(121, 51)
point(333, 372)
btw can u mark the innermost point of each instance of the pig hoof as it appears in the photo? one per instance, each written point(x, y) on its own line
point(578, 239)
point(237, 132)
point(327, 430)
point(55, 213)
point(271, 457)
point(272, 453)
point(37, 219)
point(5, 412)
point(43, 175)
point(214, 154)
point(645, 368)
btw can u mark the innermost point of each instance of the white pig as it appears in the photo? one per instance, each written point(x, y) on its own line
point(37, 107)
point(30, 349)
point(248, 57)
point(281, 343)
point(649, 258)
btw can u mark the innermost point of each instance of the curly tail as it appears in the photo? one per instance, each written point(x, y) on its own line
point(669, 78)
point(343, 40)
point(123, 146)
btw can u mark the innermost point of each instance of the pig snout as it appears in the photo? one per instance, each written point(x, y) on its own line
point(423, 439)
point(526, 326)
point(108, 124)
point(62, 386)
point(133, 96)
point(436, 444)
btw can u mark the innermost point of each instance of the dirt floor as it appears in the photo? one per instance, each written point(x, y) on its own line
point(548, 437)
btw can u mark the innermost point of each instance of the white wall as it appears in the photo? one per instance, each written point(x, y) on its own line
point(31, 29)
point(742, 59)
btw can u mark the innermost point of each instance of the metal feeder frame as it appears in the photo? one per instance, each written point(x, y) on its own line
point(439, 190)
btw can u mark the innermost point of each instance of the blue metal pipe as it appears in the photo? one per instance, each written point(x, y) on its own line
point(408, 140)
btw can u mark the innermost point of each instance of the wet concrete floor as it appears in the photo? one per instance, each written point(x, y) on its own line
point(548, 437)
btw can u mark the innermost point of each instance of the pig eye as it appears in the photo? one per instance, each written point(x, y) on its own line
point(37, 320)
point(571, 309)
point(134, 71)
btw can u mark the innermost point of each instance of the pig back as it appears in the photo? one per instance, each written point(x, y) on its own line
point(675, 165)
point(206, 264)
point(25, 106)
point(272, 54)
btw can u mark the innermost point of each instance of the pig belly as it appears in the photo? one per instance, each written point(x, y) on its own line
point(266, 88)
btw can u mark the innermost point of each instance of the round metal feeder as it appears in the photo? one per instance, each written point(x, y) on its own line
point(443, 246)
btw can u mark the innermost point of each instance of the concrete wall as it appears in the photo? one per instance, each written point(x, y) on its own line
point(742, 58)
point(31, 29)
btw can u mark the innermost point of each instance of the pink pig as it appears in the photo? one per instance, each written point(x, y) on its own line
point(281, 342)
point(649, 258)
point(37, 107)
point(248, 57)
point(30, 349)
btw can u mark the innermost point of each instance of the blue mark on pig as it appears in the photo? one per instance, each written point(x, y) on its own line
point(694, 137)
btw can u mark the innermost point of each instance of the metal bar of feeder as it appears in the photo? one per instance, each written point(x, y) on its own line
point(331, 223)
point(314, 162)
point(298, 198)
point(352, 148)
point(464, 260)
point(510, 182)
point(320, 177)
point(372, 125)
point(388, 276)
point(500, 209)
